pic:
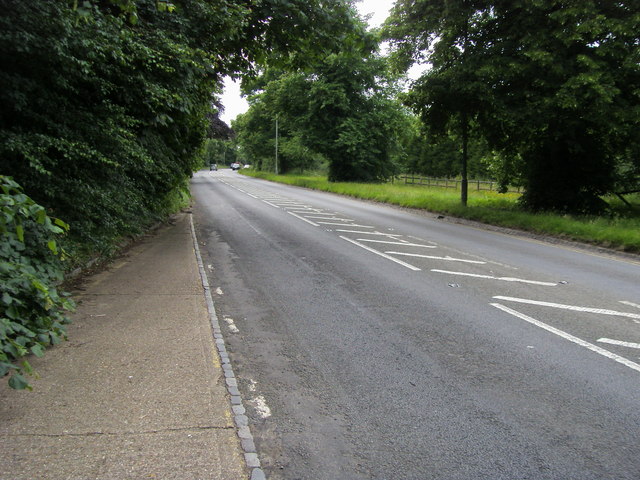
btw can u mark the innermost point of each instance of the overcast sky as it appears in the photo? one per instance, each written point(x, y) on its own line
point(234, 104)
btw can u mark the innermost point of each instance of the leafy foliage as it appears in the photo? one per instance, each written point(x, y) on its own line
point(32, 311)
point(552, 85)
point(338, 112)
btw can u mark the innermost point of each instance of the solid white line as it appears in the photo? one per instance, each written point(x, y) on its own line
point(448, 258)
point(406, 244)
point(400, 262)
point(303, 219)
point(345, 224)
point(571, 338)
point(369, 233)
point(599, 311)
point(504, 279)
point(619, 342)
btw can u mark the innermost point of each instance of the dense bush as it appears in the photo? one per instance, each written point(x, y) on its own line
point(32, 311)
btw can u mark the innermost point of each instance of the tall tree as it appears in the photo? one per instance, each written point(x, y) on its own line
point(557, 82)
point(338, 110)
point(105, 102)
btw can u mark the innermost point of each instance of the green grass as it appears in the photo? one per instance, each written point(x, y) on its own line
point(620, 231)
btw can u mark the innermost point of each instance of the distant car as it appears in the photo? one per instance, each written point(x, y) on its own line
point(235, 166)
point(247, 166)
point(213, 167)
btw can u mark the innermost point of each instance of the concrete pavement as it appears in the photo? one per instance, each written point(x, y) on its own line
point(139, 390)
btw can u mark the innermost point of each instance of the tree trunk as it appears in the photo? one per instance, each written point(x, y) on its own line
point(464, 185)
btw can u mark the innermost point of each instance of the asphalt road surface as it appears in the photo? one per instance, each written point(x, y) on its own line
point(372, 342)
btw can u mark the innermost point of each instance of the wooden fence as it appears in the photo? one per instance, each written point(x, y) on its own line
point(489, 185)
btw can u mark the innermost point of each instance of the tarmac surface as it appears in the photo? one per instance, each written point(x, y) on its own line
point(139, 390)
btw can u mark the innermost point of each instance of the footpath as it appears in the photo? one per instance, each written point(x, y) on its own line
point(142, 388)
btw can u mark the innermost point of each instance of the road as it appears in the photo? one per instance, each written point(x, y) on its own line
point(373, 342)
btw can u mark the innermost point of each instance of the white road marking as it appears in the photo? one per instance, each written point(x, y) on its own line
point(405, 244)
point(568, 336)
point(574, 308)
point(330, 218)
point(346, 224)
point(272, 204)
point(369, 233)
point(619, 342)
point(447, 258)
point(490, 277)
point(400, 262)
point(304, 219)
point(631, 304)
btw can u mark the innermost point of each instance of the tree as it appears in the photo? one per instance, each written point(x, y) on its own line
point(448, 97)
point(338, 110)
point(105, 102)
point(552, 85)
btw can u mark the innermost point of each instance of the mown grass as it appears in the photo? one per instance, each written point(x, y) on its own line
point(619, 231)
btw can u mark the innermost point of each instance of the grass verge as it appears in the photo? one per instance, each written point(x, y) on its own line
point(620, 231)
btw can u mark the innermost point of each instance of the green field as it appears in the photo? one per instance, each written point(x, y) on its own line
point(620, 230)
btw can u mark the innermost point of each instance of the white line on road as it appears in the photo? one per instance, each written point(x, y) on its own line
point(447, 258)
point(346, 224)
point(631, 304)
point(504, 279)
point(400, 262)
point(304, 219)
point(330, 218)
point(619, 342)
point(568, 336)
point(404, 244)
point(574, 308)
point(272, 204)
point(369, 233)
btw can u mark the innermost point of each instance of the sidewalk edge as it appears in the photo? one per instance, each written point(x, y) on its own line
point(239, 417)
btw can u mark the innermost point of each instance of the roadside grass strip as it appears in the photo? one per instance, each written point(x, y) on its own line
point(388, 257)
point(568, 336)
point(491, 277)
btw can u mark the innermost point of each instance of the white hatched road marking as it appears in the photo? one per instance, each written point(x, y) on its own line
point(447, 258)
point(404, 244)
point(346, 225)
point(575, 308)
point(400, 262)
point(568, 336)
point(369, 233)
point(491, 277)
point(619, 343)
point(304, 219)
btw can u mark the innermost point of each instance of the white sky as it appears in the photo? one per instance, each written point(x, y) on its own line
point(234, 104)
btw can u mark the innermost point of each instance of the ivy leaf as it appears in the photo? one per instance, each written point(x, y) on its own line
point(37, 350)
point(18, 382)
point(20, 232)
point(52, 246)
